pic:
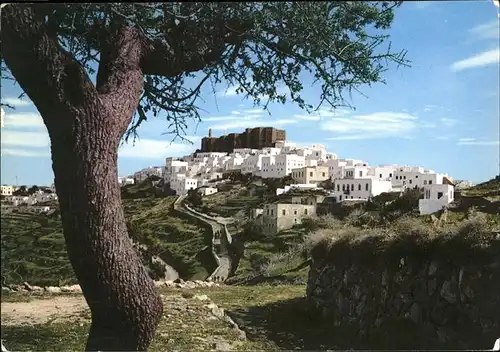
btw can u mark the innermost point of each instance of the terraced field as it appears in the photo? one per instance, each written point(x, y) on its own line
point(33, 247)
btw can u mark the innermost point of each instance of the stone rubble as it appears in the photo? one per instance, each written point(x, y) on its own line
point(27, 288)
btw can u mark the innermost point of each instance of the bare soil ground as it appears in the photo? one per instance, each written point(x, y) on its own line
point(44, 310)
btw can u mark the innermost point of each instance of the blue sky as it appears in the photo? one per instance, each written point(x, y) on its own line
point(441, 113)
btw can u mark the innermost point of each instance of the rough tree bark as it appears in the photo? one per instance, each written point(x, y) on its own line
point(85, 124)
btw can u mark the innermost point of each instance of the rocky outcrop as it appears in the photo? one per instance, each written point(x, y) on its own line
point(445, 296)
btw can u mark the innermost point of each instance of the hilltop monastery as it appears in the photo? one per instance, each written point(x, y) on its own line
point(353, 180)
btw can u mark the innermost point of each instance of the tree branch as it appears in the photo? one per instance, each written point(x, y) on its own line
point(47, 72)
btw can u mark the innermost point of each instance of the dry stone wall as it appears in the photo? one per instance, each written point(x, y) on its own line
point(454, 301)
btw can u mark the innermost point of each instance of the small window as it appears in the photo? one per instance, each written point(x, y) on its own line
point(295, 212)
point(305, 211)
point(340, 198)
point(272, 212)
point(359, 186)
point(352, 187)
point(416, 176)
point(338, 188)
point(430, 182)
point(390, 175)
point(284, 212)
point(352, 197)
point(310, 174)
point(425, 182)
point(361, 174)
point(440, 195)
point(343, 187)
point(267, 211)
point(410, 182)
point(323, 174)
point(366, 187)
point(380, 175)
point(404, 177)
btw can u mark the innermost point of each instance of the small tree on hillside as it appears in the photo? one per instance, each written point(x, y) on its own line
point(33, 189)
point(22, 191)
point(194, 197)
point(94, 71)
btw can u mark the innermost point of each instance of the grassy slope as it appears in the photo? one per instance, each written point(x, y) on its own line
point(33, 246)
point(33, 250)
point(177, 239)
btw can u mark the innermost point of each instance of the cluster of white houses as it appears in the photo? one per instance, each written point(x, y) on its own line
point(35, 200)
point(353, 180)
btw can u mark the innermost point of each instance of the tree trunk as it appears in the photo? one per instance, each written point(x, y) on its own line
point(123, 300)
point(85, 124)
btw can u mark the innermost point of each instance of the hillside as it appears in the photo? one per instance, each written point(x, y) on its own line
point(284, 257)
point(33, 248)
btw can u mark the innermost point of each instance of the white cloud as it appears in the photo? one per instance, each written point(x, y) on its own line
point(158, 149)
point(482, 59)
point(236, 115)
point(322, 114)
point(474, 141)
point(228, 92)
point(252, 123)
point(16, 101)
point(351, 137)
point(254, 111)
point(448, 122)
point(222, 118)
point(23, 119)
point(431, 107)
point(310, 117)
point(490, 30)
point(231, 92)
point(375, 125)
point(25, 139)
point(420, 5)
point(25, 152)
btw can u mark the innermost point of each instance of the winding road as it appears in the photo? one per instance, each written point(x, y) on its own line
point(220, 237)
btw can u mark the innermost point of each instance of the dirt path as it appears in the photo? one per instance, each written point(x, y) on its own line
point(40, 311)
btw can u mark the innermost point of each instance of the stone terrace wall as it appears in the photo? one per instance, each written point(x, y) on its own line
point(450, 295)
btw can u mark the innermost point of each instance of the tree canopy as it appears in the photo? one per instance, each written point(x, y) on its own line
point(255, 46)
point(96, 71)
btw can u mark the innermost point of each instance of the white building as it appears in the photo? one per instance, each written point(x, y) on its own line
point(173, 167)
point(42, 197)
point(252, 164)
point(337, 167)
point(280, 165)
point(7, 190)
point(305, 175)
point(414, 176)
point(436, 196)
point(360, 188)
point(385, 172)
point(182, 185)
point(206, 191)
point(234, 162)
point(143, 174)
point(123, 181)
point(19, 200)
